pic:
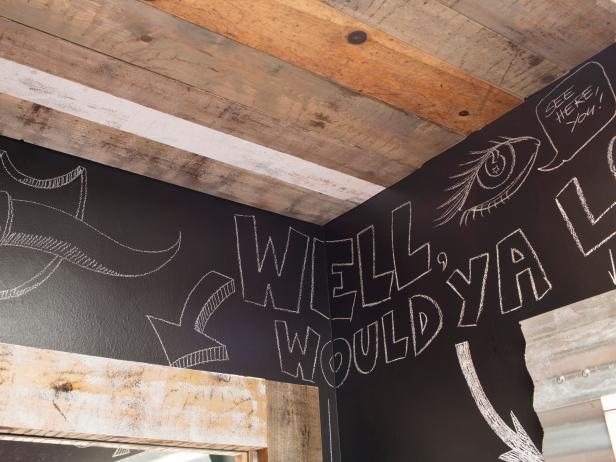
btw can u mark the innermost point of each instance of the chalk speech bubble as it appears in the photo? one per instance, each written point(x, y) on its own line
point(576, 111)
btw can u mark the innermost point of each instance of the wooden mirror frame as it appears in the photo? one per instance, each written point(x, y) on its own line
point(68, 396)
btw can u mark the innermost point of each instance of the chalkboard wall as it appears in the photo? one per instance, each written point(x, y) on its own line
point(430, 279)
point(404, 311)
point(102, 262)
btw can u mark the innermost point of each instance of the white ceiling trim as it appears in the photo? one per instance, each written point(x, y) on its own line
point(73, 98)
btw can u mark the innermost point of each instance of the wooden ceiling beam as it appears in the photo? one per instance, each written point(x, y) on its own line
point(62, 132)
point(55, 56)
point(385, 142)
point(103, 108)
point(458, 40)
point(566, 32)
point(316, 37)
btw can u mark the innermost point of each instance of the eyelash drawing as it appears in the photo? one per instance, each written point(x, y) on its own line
point(490, 178)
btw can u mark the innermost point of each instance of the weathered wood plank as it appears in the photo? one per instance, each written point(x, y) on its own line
point(59, 57)
point(571, 356)
point(75, 395)
point(571, 352)
point(103, 108)
point(166, 45)
point(313, 35)
point(103, 443)
point(293, 410)
point(458, 40)
point(58, 131)
point(566, 32)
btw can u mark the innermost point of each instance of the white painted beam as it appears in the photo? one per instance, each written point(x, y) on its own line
point(103, 108)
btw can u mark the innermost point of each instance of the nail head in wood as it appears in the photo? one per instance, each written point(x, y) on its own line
point(357, 37)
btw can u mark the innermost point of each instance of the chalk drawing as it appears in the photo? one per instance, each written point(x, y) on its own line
point(380, 284)
point(613, 272)
point(511, 264)
point(119, 452)
point(421, 321)
point(580, 220)
point(522, 448)
point(363, 348)
point(202, 301)
point(489, 179)
point(342, 302)
point(10, 174)
point(409, 265)
point(441, 259)
point(391, 342)
point(575, 111)
point(336, 358)
point(329, 427)
point(296, 359)
point(471, 287)
point(253, 279)
point(64, 236)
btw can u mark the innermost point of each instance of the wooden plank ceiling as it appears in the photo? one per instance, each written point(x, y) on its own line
point(301, 107)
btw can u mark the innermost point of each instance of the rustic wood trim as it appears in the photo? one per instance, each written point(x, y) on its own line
point(167, 46)
point(68, 134)
point(114, 445)
point(50, 393)
point(262, 455)
point(68, 396)
point(313, 36)
point(293, 410)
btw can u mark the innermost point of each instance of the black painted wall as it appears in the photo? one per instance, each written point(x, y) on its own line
point(427, 281)
point(528, 202)
point(102, 262)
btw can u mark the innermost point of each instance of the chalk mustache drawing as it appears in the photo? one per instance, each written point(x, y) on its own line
point(44, 217)
point(490, 178)
point(176, 338)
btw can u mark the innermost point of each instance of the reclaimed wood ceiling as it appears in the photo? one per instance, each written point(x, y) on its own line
point(301, 107)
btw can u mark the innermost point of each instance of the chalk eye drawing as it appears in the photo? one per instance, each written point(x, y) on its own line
point(489, 178)
point(522, 447)
point(575, 111)
point(46, 216)
point(178, 339)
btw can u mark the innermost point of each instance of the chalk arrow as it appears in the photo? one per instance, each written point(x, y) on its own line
point(522, 447)
point(119, 452)
point(613, 272)
point(179, 339)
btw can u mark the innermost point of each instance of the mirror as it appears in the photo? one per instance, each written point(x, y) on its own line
point(26, 449)
point(571, 357)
